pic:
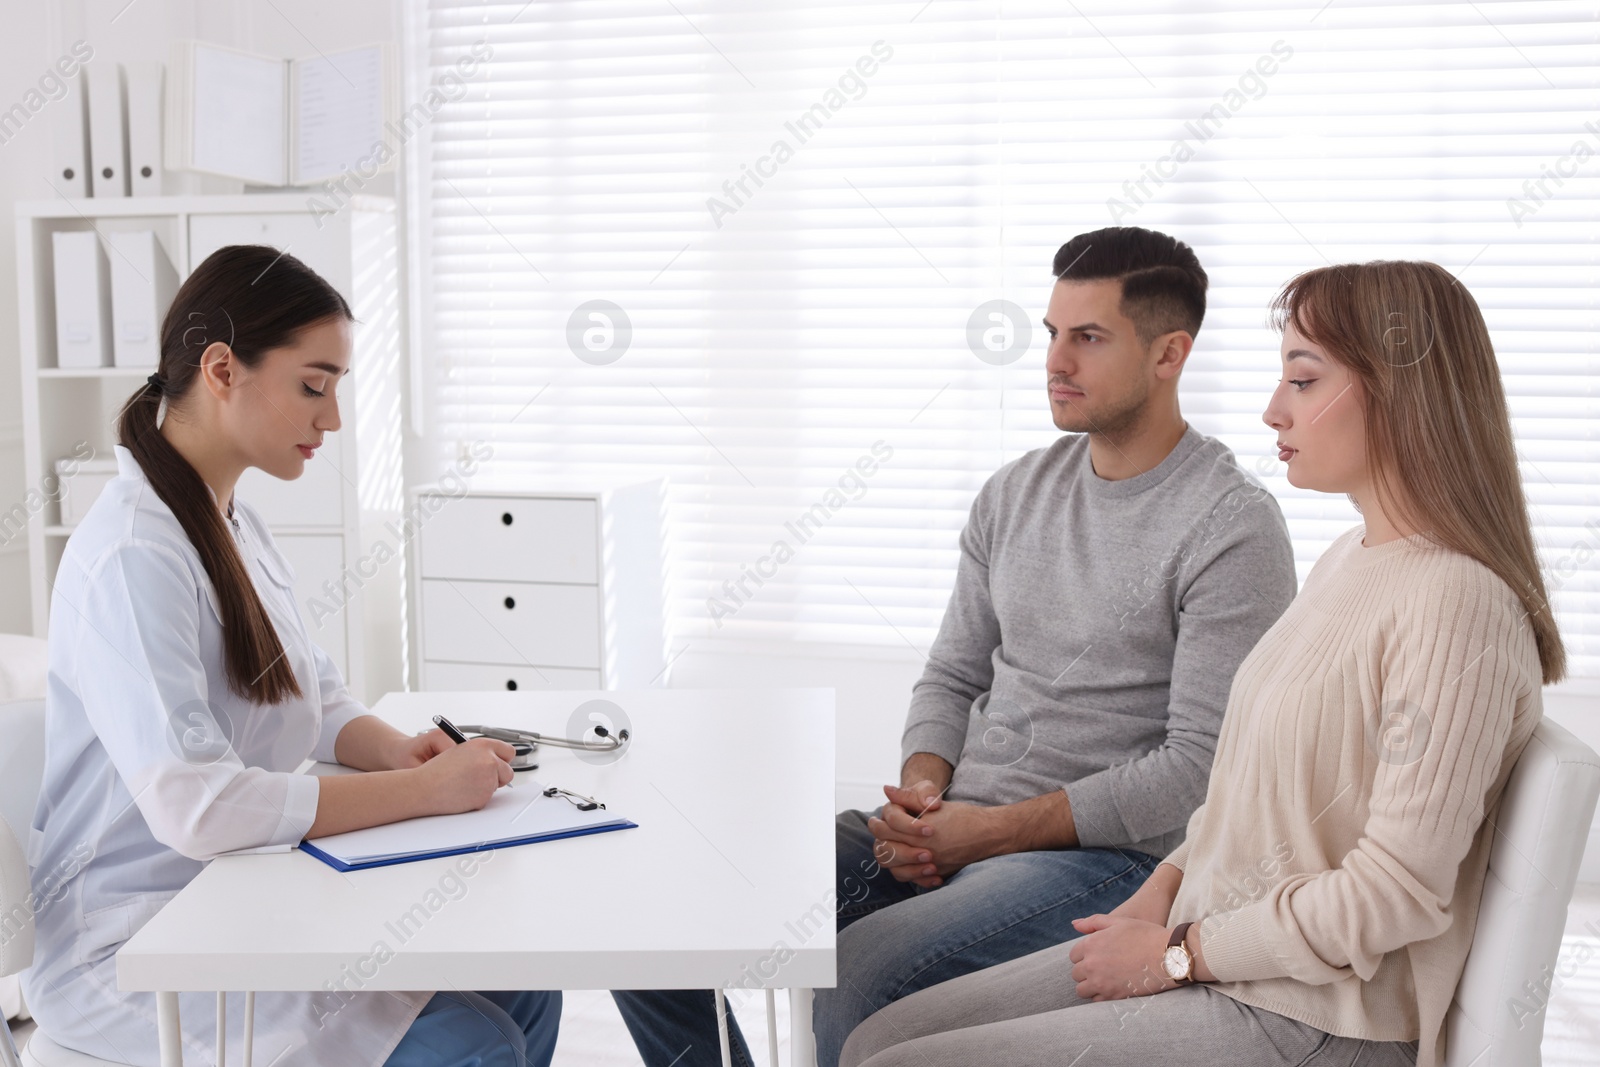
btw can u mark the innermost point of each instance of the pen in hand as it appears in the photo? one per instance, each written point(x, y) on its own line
point(460, 738)
point(449, 729)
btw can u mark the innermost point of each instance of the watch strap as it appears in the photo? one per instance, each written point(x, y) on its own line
point(1180, 932)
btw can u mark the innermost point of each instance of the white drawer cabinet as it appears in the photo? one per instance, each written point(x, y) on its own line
point(507, 622)
point(514, 539)
point(480, 677)
point(560, 588)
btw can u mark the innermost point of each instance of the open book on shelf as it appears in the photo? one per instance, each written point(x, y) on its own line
point(280, 121)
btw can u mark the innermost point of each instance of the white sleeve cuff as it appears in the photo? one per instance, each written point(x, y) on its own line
point(299, 809)
point(332, 723)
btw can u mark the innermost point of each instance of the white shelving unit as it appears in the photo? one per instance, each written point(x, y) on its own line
point(326, 521)
point(559, 587)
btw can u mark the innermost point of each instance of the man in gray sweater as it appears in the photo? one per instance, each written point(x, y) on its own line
point(1063, 729)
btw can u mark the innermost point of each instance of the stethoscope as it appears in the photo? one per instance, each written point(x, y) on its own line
point(607, 742)
point(526, 742)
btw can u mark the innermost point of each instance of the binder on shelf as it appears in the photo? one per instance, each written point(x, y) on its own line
point(519, 816)
point(146, 169)
point(108, 142)
point(143, 283)
point(71, 171)
point(280, 121)
point(83, 334)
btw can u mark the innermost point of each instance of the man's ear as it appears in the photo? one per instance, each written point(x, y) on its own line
point(1172, 351)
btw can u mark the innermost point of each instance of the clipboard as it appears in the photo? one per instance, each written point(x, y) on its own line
point(512, 817)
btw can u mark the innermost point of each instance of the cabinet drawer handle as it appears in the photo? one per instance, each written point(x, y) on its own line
point(506, 518)
point(511, 683)
point(511, 602)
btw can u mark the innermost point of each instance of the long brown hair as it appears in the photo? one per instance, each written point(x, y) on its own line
point(1437, 426)
point(252, 298)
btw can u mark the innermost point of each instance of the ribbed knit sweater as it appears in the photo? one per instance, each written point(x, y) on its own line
point(1338, 860)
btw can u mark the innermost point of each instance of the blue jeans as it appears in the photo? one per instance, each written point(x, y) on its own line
point(678, 1027)
point(481, 1030)
point(896, 938)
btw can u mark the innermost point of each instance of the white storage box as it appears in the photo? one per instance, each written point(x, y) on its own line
point(80, 482)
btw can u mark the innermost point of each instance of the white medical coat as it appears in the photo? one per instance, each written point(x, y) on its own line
point(153, 767)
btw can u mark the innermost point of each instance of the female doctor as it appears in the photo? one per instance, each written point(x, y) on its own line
point(184, 692)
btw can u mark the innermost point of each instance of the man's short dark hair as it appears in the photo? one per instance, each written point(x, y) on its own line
point(1163, 284)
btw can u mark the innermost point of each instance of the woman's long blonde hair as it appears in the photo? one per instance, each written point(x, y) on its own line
point(1438, 432)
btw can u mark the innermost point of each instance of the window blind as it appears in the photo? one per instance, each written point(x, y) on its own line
point(760, 250)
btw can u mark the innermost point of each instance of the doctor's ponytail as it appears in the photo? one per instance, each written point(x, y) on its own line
point(254, 299)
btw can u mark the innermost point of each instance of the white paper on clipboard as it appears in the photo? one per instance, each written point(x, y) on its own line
point(512, 816)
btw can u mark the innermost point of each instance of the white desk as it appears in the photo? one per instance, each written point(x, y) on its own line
point(733, 791)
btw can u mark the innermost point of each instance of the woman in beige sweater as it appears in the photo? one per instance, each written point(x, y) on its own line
point(1321, 908)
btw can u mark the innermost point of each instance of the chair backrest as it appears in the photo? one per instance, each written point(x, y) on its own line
point(1497, 1019)
point(21, 770)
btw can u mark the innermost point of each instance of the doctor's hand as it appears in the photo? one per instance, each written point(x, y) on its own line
point(408, 752)
point(464, 777)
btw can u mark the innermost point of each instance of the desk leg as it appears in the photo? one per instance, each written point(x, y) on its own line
point(722, 1029)
point(772, 1028)
point(802, 1043)
point(249, 1027)
point(169, 1031)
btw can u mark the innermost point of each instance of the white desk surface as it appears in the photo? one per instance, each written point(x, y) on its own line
point(728, 880)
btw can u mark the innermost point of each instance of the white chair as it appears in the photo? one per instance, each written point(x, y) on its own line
point(1540, 833)
point(24, 663)
point(21, 766)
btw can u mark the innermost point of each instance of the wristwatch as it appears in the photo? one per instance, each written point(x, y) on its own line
point(1177, 960)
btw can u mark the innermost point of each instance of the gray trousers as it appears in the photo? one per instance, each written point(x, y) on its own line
point(1027, 1013)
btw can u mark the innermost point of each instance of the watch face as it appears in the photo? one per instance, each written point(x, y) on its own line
point(1176, 963)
